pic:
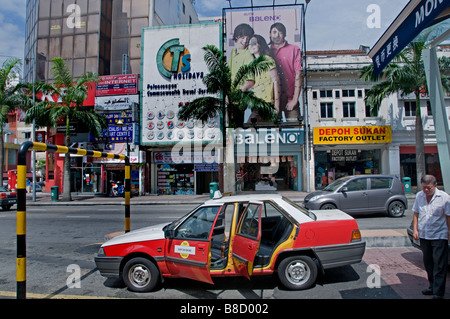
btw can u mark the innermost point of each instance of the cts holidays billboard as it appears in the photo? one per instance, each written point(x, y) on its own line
point(172, 75)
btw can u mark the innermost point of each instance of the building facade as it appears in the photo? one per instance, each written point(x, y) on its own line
point(104, 37)
point(347, 140)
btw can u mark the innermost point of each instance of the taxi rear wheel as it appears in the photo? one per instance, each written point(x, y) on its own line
point(140, 275)
point(297, 272)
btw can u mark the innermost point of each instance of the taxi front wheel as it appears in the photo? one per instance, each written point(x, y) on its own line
point(297, 272)
point(140, 275)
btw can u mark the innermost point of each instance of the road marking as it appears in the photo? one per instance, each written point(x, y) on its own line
point(77, 216)
point(44, 296)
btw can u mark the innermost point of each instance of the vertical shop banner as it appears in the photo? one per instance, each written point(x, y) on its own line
point(173, 69)
point(275, 31)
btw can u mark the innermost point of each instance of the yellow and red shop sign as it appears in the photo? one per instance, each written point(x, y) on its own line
point(352, 135)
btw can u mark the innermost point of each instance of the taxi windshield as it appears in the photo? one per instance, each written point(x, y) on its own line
point(177, 222)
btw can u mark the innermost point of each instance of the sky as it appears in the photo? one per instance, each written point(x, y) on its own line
point(330, 24)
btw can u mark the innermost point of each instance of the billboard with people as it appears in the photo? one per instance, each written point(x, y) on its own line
point(275, 31)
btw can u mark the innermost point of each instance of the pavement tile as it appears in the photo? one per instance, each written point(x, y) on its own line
point(402, 269)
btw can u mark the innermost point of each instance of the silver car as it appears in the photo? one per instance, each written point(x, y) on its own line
point(361, 194)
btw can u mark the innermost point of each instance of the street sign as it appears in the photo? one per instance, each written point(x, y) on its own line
point(415, 17)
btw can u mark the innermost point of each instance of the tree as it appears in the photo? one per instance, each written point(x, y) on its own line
point(230, 99)
point(234, 100)
point(9, 98)
point(72, 94)
point(406, 75)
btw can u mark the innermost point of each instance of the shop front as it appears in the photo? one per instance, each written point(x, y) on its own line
point(408, 162)
point(343, 151)
point(269, 159)
point(112, 172)
point(187, 174)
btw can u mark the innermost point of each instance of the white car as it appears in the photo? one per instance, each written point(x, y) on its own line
point(236, 236)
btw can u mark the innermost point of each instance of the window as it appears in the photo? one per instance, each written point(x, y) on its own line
point(367, 109)
point(410, 108)
point(249, 224)
point(337, 94)
point(314, 94)
point(326, 110)
point(359, 184)
point(199, 224)
point(270, 210)
point(349, 109)
point(348, 93)
point(381, 183)
point(429, 112)
point(326, 93)
point(360, 93)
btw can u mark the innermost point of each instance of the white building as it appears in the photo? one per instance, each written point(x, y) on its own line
point(346, 138)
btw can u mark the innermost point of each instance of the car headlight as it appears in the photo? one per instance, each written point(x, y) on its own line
point(101, 252)
point(314, 198)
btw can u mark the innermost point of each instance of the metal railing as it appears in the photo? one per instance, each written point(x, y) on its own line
point(22, 200)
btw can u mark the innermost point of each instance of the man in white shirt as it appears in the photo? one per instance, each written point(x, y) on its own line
point(431, 224)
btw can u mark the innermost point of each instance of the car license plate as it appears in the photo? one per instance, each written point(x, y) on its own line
point(11, 201)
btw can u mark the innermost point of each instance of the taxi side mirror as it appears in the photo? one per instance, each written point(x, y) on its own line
point(169, 234)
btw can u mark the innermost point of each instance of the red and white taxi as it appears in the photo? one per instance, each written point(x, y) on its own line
point(236, 236)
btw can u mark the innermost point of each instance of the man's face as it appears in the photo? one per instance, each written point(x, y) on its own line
point(276, 36)
point(242, 42)
point(428, 189)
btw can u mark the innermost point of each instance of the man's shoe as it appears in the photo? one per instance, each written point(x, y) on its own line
point(427, 292)
point(438, 297)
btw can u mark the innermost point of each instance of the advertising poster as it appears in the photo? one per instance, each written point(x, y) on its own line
point(117, 84)
point(172, 75)
point(278, 33)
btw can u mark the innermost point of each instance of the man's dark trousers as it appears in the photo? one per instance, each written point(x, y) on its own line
point(435, 259)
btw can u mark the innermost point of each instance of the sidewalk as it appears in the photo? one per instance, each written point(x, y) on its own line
point(401, 268)
point(44, 198)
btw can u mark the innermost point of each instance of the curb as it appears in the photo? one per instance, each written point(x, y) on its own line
point(386, 238)
point(375, 238)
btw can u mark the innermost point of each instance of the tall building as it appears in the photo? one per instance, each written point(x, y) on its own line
point(93, 36)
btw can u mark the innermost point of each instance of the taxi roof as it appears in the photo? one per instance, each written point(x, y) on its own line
point(242, 198)
point(296, 213)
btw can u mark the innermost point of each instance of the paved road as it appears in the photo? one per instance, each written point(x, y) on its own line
point(63, 240)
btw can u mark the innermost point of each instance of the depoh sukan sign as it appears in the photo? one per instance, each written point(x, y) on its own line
point(352, 135)
point(173, 69)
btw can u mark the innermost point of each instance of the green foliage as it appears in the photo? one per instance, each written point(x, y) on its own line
point(72, 93)
point(232, 99)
